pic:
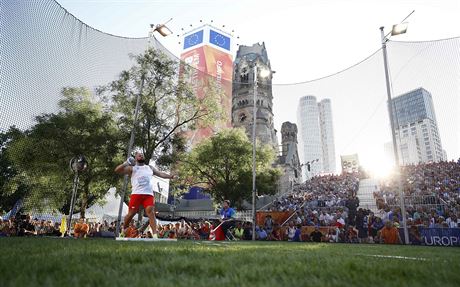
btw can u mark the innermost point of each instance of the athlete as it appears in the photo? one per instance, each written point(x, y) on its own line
point(142, 188)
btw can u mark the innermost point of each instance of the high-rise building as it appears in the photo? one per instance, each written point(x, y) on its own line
point(246, 59)
point(311, 152)
point(327, 135)
point(416, 128)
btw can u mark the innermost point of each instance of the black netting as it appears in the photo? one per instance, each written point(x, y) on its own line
point(44, 49)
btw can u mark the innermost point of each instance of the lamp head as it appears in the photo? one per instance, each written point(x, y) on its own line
point(163, 30)
point(399, 29)
point(264, 72)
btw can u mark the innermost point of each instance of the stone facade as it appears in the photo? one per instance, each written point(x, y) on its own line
point(247, 58)
point(288, 160)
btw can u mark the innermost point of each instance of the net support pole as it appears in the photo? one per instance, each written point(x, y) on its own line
point(72, 201)
point(130, 149)
point(393, 135)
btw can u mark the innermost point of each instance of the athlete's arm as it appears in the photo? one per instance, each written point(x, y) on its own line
point(161, 174)
point(124, 168)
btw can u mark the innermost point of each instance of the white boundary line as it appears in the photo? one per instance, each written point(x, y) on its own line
point(393, 257)
point(146, 239)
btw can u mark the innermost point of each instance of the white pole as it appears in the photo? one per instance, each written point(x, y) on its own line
point(254, 123)
point(393, 134)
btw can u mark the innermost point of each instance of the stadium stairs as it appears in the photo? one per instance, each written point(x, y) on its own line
point(365, 193)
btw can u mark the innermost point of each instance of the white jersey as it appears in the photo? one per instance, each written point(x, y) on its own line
point(141, 180)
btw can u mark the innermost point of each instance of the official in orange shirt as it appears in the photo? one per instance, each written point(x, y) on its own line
point(390, 234)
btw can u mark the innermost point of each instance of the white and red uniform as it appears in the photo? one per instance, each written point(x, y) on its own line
point(141, 182)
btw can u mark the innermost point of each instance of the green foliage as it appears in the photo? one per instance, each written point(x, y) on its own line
point(222, 165)
point(168, 105)
point(42, 155)
point(12, 187)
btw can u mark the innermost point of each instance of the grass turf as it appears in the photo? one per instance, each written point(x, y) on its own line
point(105, 262)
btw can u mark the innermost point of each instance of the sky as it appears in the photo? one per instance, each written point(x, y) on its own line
point(305, 40)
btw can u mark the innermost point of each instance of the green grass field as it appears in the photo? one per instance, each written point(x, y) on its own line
point(105, 262)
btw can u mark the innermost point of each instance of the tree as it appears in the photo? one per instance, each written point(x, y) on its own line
point(12, 188)
point(42, 156)
point(169, 106)
point(222, 165)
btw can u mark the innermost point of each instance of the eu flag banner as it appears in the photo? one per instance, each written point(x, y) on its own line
point(219, 40)
point(193, 39)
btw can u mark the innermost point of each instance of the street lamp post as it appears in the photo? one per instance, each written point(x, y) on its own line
point(164, 31)
point(254, 123)
point(396, 31)
point(77, 164)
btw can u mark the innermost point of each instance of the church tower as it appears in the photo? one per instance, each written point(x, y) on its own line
point(247, 59)
point(288, 161)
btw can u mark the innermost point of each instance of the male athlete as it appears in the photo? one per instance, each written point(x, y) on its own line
point(142, 189)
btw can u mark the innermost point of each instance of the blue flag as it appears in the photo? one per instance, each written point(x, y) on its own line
point(193, 39)
point(219, 40)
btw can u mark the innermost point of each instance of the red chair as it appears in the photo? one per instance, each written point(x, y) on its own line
point(217, 234)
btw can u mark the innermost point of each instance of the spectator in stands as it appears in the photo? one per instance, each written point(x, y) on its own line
point(205, 229)
point(352, 235)
point(297, 234)
point(247, 233)
point(452, 221)
point(390, 234)
point(131, 231)
point(268, 224)
point(276, 234)
point(361, 225)
point(414, 236)
point(332, 235)
point(261, 234)
point(291, 231)
point(352, 205)
point(375, 227)
point(238, 231)
point(81, 228)
point(316, 235)
point(340, 222)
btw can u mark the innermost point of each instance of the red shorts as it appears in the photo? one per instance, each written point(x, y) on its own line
point(137, 200)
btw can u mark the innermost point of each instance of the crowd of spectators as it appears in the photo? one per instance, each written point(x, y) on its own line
point(319, 191)
point(324, 209)
point(24, 225)
point(431, 190)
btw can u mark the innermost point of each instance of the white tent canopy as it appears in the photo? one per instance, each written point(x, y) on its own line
point(107, 210)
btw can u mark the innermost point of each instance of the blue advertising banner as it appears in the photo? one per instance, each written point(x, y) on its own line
point(441, 236)
point(433, 236)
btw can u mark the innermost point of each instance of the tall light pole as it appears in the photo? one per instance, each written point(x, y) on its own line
point(397, 29)
point(263, 73)
point(164, 31)
point(77, 164)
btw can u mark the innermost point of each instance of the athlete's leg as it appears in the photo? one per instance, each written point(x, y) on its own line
point(133, 207)
point(150, 210)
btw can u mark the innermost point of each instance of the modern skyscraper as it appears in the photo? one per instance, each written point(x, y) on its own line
point(327, 135)
point(247, 58)
point(416, 128)
point(310, 149)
